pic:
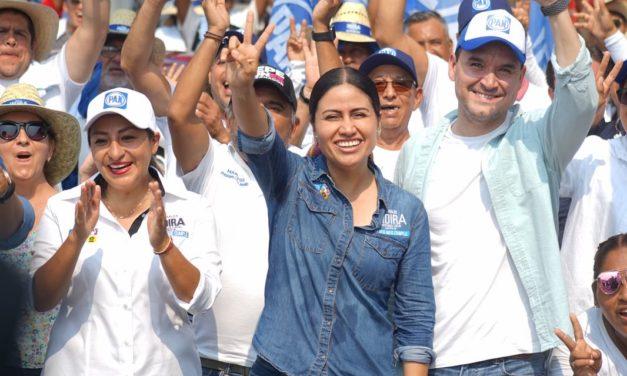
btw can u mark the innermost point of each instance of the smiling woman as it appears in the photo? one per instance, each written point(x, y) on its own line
point(39, 148)
point(343, 239)
point(110, 245)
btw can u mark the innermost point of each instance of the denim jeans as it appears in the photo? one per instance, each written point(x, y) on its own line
point(517, 365)
point(217, 372)
point(263, 368)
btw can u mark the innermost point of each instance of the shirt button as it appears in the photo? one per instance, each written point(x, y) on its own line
point(337, 261)
point(331, 290)
point(328, 322)
point(126, 306)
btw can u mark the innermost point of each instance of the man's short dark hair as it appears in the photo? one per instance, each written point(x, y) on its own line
point(418, 17)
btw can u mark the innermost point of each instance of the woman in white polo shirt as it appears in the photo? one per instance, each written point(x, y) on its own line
point(126, 255)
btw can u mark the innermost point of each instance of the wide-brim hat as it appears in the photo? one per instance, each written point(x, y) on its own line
point(63, 126)
point(351, 24)
point(45, 22)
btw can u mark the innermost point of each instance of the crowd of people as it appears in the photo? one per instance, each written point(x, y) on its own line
point(400, 198)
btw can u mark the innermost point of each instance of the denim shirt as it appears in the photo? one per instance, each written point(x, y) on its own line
point(522, 170)
point(329, 283)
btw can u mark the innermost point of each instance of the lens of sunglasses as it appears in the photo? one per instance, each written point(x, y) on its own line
point(609, 282)
point(398, 86)
point(35, 130)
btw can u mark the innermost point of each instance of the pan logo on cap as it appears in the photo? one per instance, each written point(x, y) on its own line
point(387, 51)
point(498, 23)
point(116, 99)
point(480, 5)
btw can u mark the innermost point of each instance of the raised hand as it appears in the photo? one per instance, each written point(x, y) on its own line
point(584, 360)
point(605, 84)
point(521, 12)
point(173, 72)
point(312, 69)
point(208, 111)
point(216, 15)
point(156, 224)
point(87, 210)
point(296, 40)
point(596, 19)
point(243, 57)
point(323, 12)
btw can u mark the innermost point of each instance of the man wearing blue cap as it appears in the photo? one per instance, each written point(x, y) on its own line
point(489, 176)
point(394, 76)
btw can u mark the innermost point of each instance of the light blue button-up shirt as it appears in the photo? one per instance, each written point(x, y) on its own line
point(522, 170)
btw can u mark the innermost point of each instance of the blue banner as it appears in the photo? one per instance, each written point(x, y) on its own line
point(282, 10)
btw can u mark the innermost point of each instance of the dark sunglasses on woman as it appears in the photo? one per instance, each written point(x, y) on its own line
point(35, 130)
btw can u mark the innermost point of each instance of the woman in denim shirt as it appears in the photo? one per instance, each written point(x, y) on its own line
point(344, 241)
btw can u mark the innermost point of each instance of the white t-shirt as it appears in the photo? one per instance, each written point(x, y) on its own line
point(225, 333)
point(52, 80)
point(482, 311)
point(613, 362)
point(386, 161)
point(438, 92)
point(120, 315)
point(596, 180)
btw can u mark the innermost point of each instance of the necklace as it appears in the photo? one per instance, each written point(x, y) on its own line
point(132, 211)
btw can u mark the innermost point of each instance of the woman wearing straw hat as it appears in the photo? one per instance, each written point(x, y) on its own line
point(127, 255)
point(39, 147)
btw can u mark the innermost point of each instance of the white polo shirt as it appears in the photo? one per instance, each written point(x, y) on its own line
point(52, 80)
point(225, 333)
point(121, 316)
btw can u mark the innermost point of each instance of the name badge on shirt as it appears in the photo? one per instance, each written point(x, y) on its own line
point(175, 226)
point(394, 224)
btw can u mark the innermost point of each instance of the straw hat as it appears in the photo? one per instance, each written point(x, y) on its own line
point(351, 23)
point(121, 21)
point(64, 127)
point(45, 21)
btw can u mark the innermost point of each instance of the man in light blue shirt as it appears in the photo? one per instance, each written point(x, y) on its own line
point(488, 176)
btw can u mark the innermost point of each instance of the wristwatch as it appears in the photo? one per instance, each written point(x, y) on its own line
point(10, 188)
point(328, 36)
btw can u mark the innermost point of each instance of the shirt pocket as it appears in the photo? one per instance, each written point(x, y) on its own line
point(377, 261)
point(311, 221)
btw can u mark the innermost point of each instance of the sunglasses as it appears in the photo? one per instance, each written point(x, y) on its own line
point(35, 130)
point(609, 282)
point(399, 86)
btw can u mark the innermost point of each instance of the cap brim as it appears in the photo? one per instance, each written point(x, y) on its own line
point(378, 60)
point(353, 37)
point(45, 22)
point(67, 139)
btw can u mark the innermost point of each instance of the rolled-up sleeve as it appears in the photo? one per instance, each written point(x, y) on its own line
point(414, 309)
point(23, 230)
point(202, 252)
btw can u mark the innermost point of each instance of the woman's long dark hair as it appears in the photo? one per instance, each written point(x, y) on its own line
point(340, 76)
